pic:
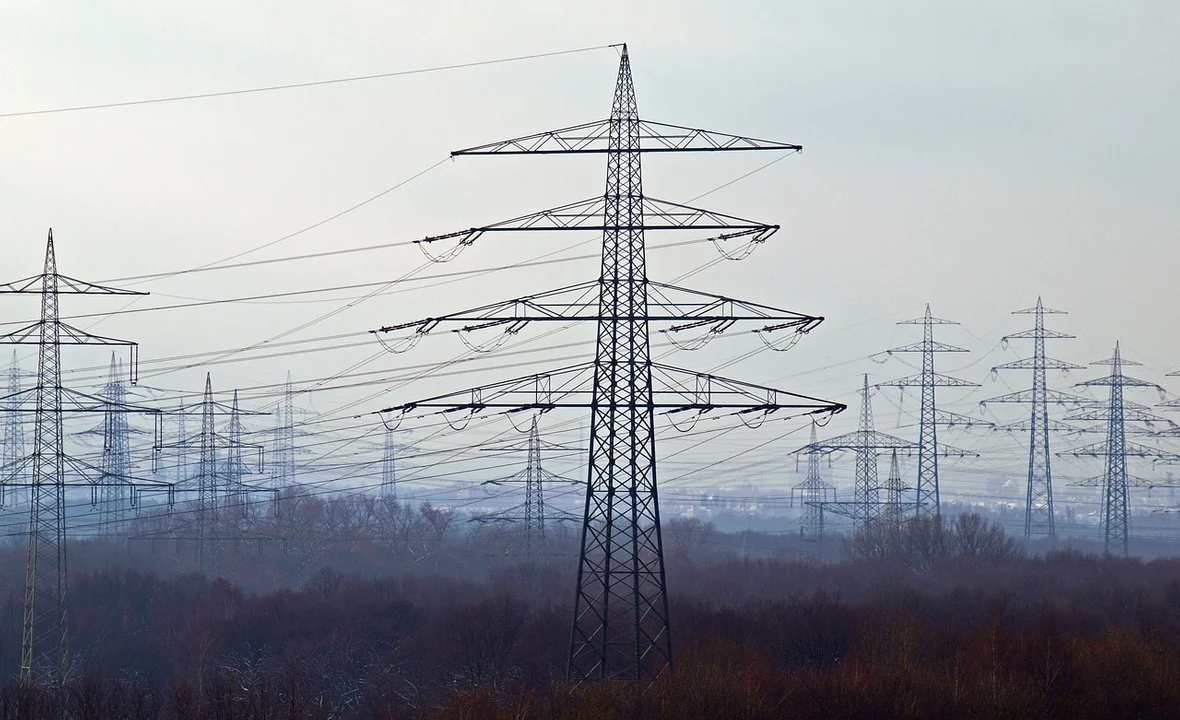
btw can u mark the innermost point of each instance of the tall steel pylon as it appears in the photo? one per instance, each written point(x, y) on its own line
point(43, 636)
point(1116, 449)
point(1038, 508)
point(223, 495)
point(115, 498)
point(531, 513)
point(621, 627)
point(866, 442)
point(931, 417)
point(813, 496)
point(13, 469)
point(282, 460)
point(388, 490)
point(894, 490)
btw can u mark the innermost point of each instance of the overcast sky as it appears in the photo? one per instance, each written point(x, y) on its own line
point(968, 155)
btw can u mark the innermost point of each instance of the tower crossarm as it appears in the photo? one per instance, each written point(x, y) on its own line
point(65, 286)
point(594, 137)
point(1100, 449)
point(926, 346)
point(1128, 414)
point(1026, 396)
point(939, 381)
point(589, 215)
point(580, 302)
point(1132, 481)
point(858, 440)
point(946, 418)
point(1031, 364)
point(1125, 381)
point(674, 390)
point(1035, 333)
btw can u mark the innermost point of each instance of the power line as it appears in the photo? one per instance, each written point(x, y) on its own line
point(292, 86)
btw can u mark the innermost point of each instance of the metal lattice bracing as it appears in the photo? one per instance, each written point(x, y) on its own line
point(43, 633)
point(388, 491)
point(866, 442)
point(1115, 481)
point(1038, 513)
point(13, 468)
point(621, 626)
point(116, 496)
point(927, 502)
point(531, 513)
point(894, 491)
point(282, 460)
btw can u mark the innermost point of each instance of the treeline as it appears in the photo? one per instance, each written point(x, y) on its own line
point(923, 620)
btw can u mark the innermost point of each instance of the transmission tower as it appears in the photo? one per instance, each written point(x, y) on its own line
point(282, 464)
point(620, 627)
point(534, 477)
point(12, 462)
point(931, 417)
point(43, 636)
point(1115, 481)
point(116, 454)
point(1038, 508)
point(813, 497)
point(866, 442)
point(895, 488)
point(222, 492)
point(388, 492)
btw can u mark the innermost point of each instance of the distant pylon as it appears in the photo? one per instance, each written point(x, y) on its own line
point(813, 494)
point(894, 489)
point(1115, 481)
point(209, 485)
point(534, 503)
point(534, 477)
point(388, 491)
point(866, 442)
point(1038, 507)
point(116, 454)
point(927, 380)
point(12, 461)
point(282, 461)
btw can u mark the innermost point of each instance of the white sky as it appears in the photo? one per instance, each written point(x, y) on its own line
point(969, 155)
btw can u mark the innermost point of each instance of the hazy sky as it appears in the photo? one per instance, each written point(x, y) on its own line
point(969, 155)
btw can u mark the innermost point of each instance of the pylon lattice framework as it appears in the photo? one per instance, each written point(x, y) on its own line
point(866, 442)
point(1038, 508)
point(43, 636)
point(1115, 480)
point(223, 495)
point(532, 512)
point(620, 628)
point(931, 417)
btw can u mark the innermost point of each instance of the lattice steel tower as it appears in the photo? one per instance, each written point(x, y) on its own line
point(43, 636)
point(282, 459)
point(116, 454)
point(1038, 509)
point(388, 490)
point(1115, 481)
point(12, 461)
point(931, 417)
point(866, 442)
point(620, 628)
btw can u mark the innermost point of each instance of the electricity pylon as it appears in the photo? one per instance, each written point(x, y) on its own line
point(813, 497)
point(866, 442)
point(222, 493)
point(1115, 481)
point(282, 460)
point(532, 511)
point(13, 470)
point(116, 454)
point(931, 417)
point(1038, 507)
point(895, 487)
point(388, 490)
point(620, 627)
point(43, 636)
